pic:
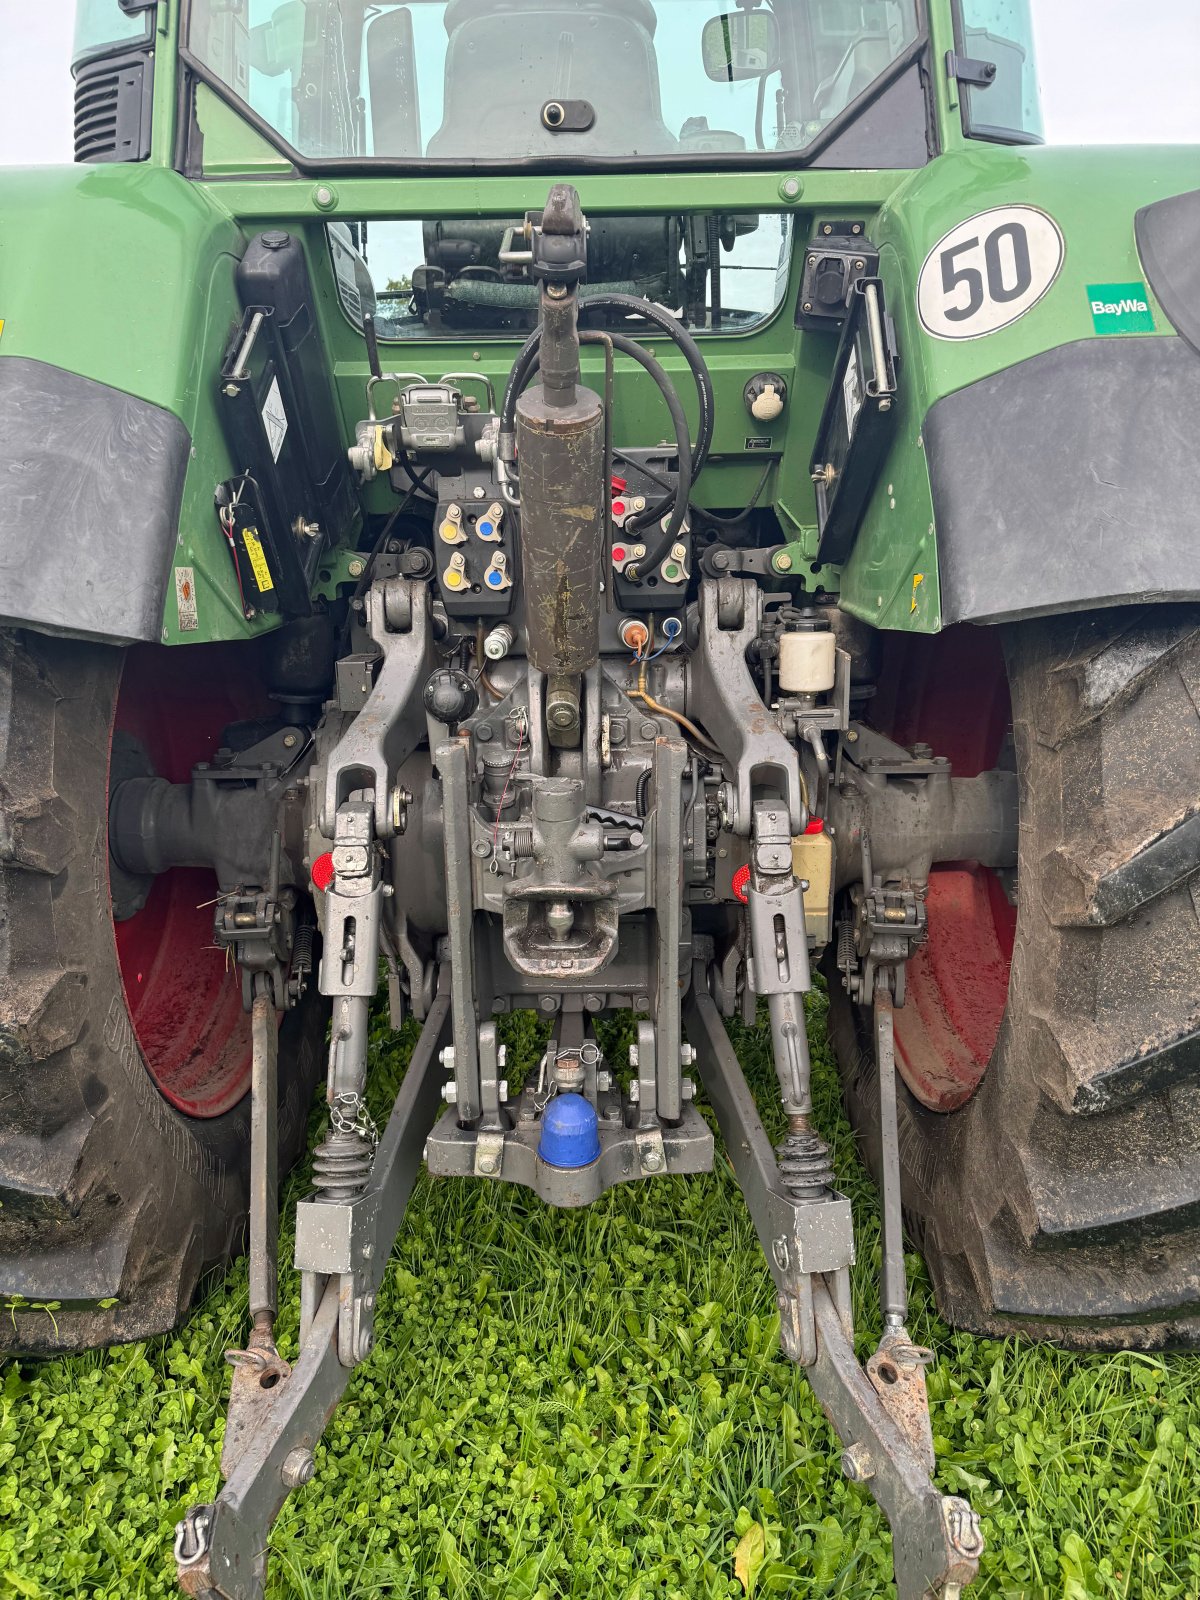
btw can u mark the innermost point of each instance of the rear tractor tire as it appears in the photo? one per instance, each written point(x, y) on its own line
point(124, 1047)
point(1050, 1112)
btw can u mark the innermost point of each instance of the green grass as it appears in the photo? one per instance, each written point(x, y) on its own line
point(593, 1404)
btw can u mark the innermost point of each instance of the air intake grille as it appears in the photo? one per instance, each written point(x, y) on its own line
point(112, 108)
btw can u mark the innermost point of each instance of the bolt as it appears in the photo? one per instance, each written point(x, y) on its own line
point(298, 1468)
point(357, 567)
point(560, 716)
point(230, 391)
point(593, 1002)
point(484, 732)
point(446, 1057)
point(450, 1092)
point(324, 196)
point(635, 1092)
point(633, 1055)
point(852, 735)
point(859, 265)
point(487, 1163)
point(481, 847)
point(603, 1081)
point(556, 291)
point(808, 305)
point(791, 189)
point(641, 1002)
point(688, 1087)
point(289, 741)
point(687, 1054)
point(782, 561)
point(651, 1160)
point(547, 1003)
point(366, 1343)
point(479, 491)
point(503, 1087)
point(857, 1464)
point(649, 730)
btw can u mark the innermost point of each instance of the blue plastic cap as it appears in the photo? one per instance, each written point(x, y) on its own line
point(570, 1132)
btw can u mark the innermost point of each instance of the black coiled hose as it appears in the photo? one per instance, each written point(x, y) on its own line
point(683, 444)
point(691, 460)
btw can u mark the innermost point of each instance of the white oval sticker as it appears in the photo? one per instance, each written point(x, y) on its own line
point(988, 271)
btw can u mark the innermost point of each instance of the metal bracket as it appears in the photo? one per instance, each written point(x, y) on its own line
point(220, 1548)
point(723, 695)
point(489, 1155)
point(652, 1155)
point(391, 722)
point(897, 1371)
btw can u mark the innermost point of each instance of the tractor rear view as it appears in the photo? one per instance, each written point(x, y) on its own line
point(595, 507)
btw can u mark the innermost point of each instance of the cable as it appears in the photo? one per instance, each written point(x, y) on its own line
point(741, 516)
point(689, 350)
point(365, 580)
point(666, 323)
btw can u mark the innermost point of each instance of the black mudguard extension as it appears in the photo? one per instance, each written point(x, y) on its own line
point(1168, 241)
point(1069, 481)
point(91, 481)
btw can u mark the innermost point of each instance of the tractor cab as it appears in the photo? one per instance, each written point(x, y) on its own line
point(624, 84)
point(467, 81)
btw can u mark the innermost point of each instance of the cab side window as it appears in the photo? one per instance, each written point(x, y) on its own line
point(999, 33)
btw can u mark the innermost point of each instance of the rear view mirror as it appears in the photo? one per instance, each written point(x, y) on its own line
point(740, 44)
point(392, 80)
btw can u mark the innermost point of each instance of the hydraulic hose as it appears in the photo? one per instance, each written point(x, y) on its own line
point(688, 349)
point(666, 323)
point(524, 369)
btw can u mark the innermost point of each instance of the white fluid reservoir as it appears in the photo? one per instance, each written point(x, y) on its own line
point(807, 662)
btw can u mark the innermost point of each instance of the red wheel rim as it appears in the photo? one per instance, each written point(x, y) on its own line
point(950, 691)
point(184, 1000)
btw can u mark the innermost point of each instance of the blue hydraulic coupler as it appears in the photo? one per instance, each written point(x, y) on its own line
point(570, 1133)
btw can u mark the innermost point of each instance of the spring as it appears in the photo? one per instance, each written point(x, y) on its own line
point(805, 1165)
point(342, 1165)
point(519, 843)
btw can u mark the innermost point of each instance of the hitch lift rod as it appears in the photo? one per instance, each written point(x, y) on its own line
point(936, 1542)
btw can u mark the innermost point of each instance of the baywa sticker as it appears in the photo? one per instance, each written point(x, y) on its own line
point(988, 271)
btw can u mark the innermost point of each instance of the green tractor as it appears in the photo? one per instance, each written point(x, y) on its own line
point(595, 506)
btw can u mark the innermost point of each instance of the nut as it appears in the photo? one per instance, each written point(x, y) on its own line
point(857, 1464)
point(298, 1468)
